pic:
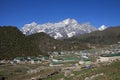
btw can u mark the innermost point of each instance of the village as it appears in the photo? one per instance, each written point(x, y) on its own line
point(63, 62)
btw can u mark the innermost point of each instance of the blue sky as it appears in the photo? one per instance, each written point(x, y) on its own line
point(97, 12)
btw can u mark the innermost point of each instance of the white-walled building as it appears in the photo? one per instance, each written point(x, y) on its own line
point(108, 59)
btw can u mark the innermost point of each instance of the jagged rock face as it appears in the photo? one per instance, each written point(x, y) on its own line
point(64, 29)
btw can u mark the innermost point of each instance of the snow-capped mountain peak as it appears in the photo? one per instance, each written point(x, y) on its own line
point(31, 24)
point(103, 27)
point(63, 29)
point(69, 21)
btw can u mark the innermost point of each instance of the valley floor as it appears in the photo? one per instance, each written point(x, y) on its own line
point(105, 71)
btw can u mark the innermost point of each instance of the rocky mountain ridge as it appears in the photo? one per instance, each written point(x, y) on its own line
point(63, 29)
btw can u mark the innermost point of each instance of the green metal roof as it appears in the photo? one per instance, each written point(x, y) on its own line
point(19, 58)
point(111, 55)
point(34, 58)
point(71, 59)
point(85, 59)
point(55, 63)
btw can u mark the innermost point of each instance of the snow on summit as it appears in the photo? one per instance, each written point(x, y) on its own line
point(63, 29)
point(103, 27)
point(69, 21)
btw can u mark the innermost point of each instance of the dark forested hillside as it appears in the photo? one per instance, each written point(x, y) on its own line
point(108, 36)
point(14, 43)
point(11, 41)
point(45, 43)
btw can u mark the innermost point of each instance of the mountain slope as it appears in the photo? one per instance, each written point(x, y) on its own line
point(108, 36)
point(64, 29)
point(46, 43)
point(11, 40)
point(13, 43)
